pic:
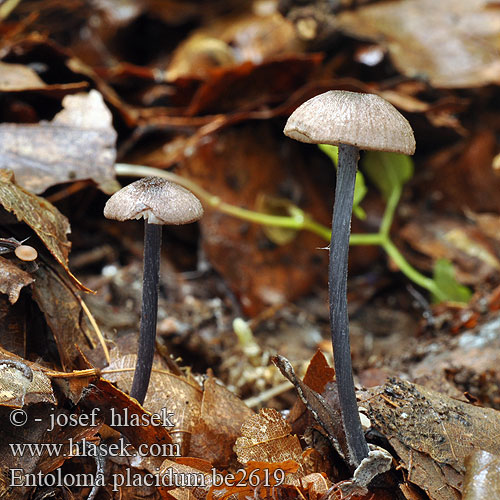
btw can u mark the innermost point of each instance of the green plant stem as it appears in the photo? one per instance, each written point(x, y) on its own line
point(299, 222)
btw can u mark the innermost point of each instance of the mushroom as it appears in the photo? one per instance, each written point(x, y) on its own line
point(160, 202)
point(351, 121)
point(26, 253)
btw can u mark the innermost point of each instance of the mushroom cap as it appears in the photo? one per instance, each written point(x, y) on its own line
point(26, 253)
point(157, 200)
point(366, 121)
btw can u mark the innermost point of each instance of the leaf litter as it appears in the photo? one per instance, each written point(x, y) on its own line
point(210, 102)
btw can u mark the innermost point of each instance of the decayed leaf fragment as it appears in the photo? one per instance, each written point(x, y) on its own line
point(12, 279)
point(47, 222)
point(79, 143)
point(432, 434)
point(266, 438)
point(22, 382)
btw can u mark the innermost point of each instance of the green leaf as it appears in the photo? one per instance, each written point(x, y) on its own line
point(331, 151)
point(388, 171)
point(450, 288)
point(360, 188)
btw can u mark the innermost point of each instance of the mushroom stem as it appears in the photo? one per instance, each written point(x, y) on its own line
point(339, 320)
point(149, 312)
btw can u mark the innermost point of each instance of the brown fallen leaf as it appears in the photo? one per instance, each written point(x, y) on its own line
point(482, 477)
point(258, 478)
point(452, 43)
point(244, 164)
point(13, 279)
point(18, 77)
point(58, 299)
point(266, 438)
point(79, 143)
point(47, 222)
point(180, 395)
point(432, 434)
point(38, 430)
point(219, 424)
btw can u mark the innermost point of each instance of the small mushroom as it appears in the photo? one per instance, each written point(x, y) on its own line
point(26, 253)
point(351, 121)
point(160, 202)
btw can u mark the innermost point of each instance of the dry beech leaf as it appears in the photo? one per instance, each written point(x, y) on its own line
point(452, 43)
point(179, 395)
point(12, 279)
point(432, 434)
point(482, 478)
point(111, 401)
point(47, 222)
point(79, 143)
point(219, 424)
point(266, 438)
point(22, 382)
point(57, 299)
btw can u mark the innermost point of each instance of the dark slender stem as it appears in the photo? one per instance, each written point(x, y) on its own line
point(149, 312)
point(339, 320)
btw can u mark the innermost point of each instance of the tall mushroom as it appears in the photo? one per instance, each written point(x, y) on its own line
point(351, 121)
point(160, 202)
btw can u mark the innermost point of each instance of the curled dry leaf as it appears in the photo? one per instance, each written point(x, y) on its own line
point(482, 477)
point(266, 438)
point(79, 143)
point(12, 279)
point(41, 216)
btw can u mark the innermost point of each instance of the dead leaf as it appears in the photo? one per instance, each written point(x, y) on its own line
point(244, 163)
point(82, 146)
point(22, 382)
point(316, 484)
point(13, 279)
point(63, 313)
point(47, 222)
point(266, 438)
point(222, 414)
point(180, 395)
point(452, 43)
point(21, 78)
point(432, 434)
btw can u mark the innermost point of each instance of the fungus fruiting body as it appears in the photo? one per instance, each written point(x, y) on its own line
point(351, 121)
point(159, 202)
point(26, 253)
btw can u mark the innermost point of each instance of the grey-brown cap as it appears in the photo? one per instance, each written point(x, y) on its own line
point(157, 200)
point(366, 121)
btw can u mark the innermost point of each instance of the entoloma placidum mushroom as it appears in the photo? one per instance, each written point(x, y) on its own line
point(160, 202)
point(351, 121)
